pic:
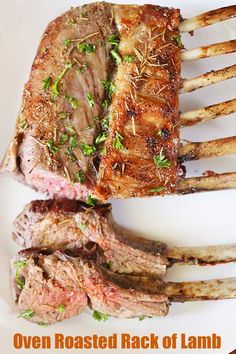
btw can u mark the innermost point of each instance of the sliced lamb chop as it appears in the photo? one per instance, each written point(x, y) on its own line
point(71, 224)
point(112, 72)
point(50, 287)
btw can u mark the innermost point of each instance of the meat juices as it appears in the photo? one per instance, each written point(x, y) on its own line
point(81, 79)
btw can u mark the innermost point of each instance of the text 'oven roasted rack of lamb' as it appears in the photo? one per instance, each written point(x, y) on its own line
point(77, 255)
point(100, 112)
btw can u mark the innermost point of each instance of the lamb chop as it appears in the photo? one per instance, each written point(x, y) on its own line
point(100, 112)
point(60, 225)
point(49, 287)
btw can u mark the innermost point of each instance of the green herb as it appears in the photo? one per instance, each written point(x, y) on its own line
point(116, 56)
point(114, 39)
point(73, 101)
point(82, 68)
point(161, 161)
point(63, 115)
point(55, 92)
point(86, 47)
point(90, 99)
point(129, 58)
point(60, 308)
point(141, 318)
point(109, 87)
point(46, 83)
point(19, 279)
point(24, 124)
point(105, 104)
point(50, 145)
point(43, 324)
point(67, 42)
point(156, 190)
point(80, 176)
point(177, 40)
point(91, 201)
point(82, 226)
point(105, 123)
point(87, 149)
point(70, 129)
point(117, 144)
point(71, 21)
point(63, 138)
point(19, 265)
point(96, 119)
point(26, 314)
point(73, 142)
point(101, 137)
point(72, 157)
point(83, 15)
point(108, 265)
point(98, 316)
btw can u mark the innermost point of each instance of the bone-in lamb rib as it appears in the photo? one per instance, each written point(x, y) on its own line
point(49, 287)
point(72, 224)
point(100, 113)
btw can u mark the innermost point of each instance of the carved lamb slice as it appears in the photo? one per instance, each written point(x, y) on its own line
point(72, 224)
point(49, 287)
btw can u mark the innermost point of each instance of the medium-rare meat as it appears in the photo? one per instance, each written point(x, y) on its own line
point(48, 287)
point(56, 286)
point(61, 225)
point(75, 92)
point(71, 224)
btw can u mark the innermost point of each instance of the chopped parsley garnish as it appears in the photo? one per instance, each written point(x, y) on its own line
point(80, 176)
point(63, 115)
point(60, 308)
point(129, 58)
point(63, 138)
point(24, 124)
point(156, 190)
point(26, 314)
point(98, 316)
point(70, 21)
point(177, 40)
point(96, 119)
point(69, 153)
point(105, 123)
point(105, 104)
point(109, 87)
point(50, 145)
point(116, 56)
point(82, 226)
point(55, 92)
point(20, 280)
point(107, 265)
point(87, 149)
point(91, 201)
point(43, 324)
point(73, 142)
point(86, 48)
point(117, 144)
point(73, 101)
point(82, 68)
point(67, 42)
point(161, 161)
point(101, 138)
point(46, 83)
point(70, 129)
point(114, 39)
point(90, 100)
point(141, 318)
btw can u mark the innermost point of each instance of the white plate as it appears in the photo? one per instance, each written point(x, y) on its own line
point(193, 220)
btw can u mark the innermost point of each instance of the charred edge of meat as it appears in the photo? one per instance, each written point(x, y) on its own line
point(65, 205)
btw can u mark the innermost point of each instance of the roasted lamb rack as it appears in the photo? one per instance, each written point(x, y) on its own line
point(100, 112)
point(60, 225)
point(52, 286)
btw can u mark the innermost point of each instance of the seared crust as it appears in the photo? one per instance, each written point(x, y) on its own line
point(145, 108)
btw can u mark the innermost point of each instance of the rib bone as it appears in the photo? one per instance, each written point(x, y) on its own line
point(208, 18)
point(218, 289)
point(209, 78)
point(207, 183)
point(209, 51)
point(196, 151)
point(209, 255)
point(207, 113)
